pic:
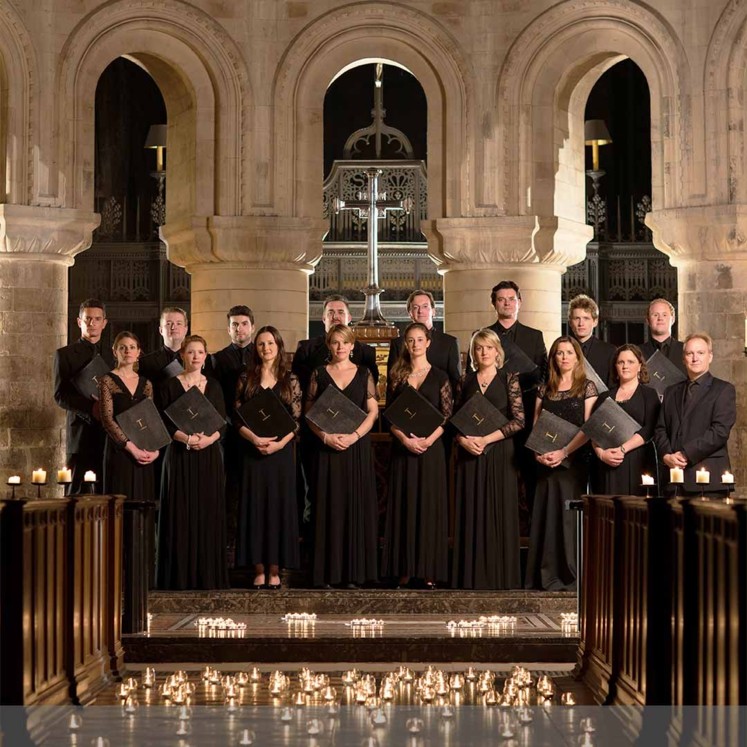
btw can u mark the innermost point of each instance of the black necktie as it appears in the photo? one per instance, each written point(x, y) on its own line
point(690, 393)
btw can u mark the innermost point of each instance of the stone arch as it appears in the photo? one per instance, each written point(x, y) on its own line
point(542, 92)
point(339, 38)
point(19, 86)
point(725, 84)
point(205, 86)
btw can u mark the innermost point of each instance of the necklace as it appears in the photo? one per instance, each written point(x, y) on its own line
point(420, 372)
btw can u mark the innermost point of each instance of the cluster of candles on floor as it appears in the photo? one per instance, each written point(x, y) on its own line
point(493, 624)
point(569, 623)
point(219, 627)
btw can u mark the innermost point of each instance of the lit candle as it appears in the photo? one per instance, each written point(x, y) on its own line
point(677, 475)
point(727, 478)
point(14, 480)
point(39, 476)
point(647, 480)
point(64, 475)
point(90, 476)
point(702, 476)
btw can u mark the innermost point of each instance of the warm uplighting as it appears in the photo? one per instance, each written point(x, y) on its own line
point(596, 134)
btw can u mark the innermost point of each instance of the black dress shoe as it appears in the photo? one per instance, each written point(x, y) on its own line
point(273, 587)
point(352, 586)
point(258, 587)
point(431, 585)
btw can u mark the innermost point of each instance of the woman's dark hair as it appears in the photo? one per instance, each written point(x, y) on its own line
point(643, 376)
point(579, 372)
point(280, 367)
point(403, 366)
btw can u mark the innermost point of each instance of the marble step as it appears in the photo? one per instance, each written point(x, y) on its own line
point(362, 602)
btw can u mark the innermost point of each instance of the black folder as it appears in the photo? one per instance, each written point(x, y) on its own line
point(413, 414)
point(173, 369)
point(594, 376)
point(516, 360)
point(333, 412)
point(194, 413)
point(609, 426)
point(142, 424)
point(265, 415)
point(478, 417)
point(86, 381)
point(550, 433)
point(663, 373)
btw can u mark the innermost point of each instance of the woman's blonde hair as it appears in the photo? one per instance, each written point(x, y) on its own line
point(488, 336)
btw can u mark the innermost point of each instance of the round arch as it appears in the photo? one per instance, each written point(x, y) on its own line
point(333, 42)
point(18, 109)
point(206, 90)
point(542, 93)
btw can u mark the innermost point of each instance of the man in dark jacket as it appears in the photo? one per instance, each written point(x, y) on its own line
point(583, 317)
point(661, 318)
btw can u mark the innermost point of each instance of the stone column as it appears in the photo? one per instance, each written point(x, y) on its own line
point(708, 246)
point(37, 245)
point(262, 262)
point(473, 254)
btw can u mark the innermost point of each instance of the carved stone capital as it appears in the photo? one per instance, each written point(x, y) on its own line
point(29, 232)
point(251, 241)
point(475, 243)
point(711, 232)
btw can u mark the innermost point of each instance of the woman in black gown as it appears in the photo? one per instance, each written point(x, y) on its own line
point(551, 563)
point(620, 469)
point(416, 534)
point(128, 469)
point(486, 533)
point(192, 519)
point(267, 536)
point(344, 483)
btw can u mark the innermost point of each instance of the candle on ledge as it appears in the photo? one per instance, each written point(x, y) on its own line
point(677, 475)
point(64, 475)
point(39, 476)
point(14, 480)
point(702, 476)
point(647, 480)
point(727, 478)
point(90, 476)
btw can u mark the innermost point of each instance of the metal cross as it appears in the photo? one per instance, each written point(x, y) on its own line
point(372, 205)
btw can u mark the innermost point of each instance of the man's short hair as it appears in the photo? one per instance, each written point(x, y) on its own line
point(174, 310)
point(335, 298)
point(240, 311)
point(661, 300)
point(707, 339)
point(91, 303)
point(420, 292)
point(584, 303)
point(504, 285)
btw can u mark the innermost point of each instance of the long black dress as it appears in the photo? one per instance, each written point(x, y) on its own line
point(192, 520)
point(486, 532)
point(551, 563)
point(268, 518)
point(643, 407)
point(417, 518)
point(122, 473)
point(344, 490)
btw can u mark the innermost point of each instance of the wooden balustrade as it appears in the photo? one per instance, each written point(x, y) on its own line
point(663, 599)
point(60, 590)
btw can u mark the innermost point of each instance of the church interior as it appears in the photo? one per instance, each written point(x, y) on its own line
point(211, 155)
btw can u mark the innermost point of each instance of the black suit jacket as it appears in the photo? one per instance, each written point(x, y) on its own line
point(310, 354)
point(674, 354)
point(700, 430)
point(226, 365)
point(443, 353)
point(151, 367)
point(532, 343)
point(601, 356)
point(84, 432)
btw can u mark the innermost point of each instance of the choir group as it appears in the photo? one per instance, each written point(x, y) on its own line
point(247, 432)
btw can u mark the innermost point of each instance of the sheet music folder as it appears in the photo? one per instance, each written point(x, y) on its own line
point(609, 426)
point(265, 415)
point(333, 412)
point(194, 413)
point(142, 424)
point(413, 414)
point(86, 381)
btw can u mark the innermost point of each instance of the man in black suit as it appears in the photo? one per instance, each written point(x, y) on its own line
point(226, 366)
point(661, 318)
point(156, 365)
point(85, 436)
point(583, 317)
point(695, 420)
point(443, 352)
point(311, 354)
